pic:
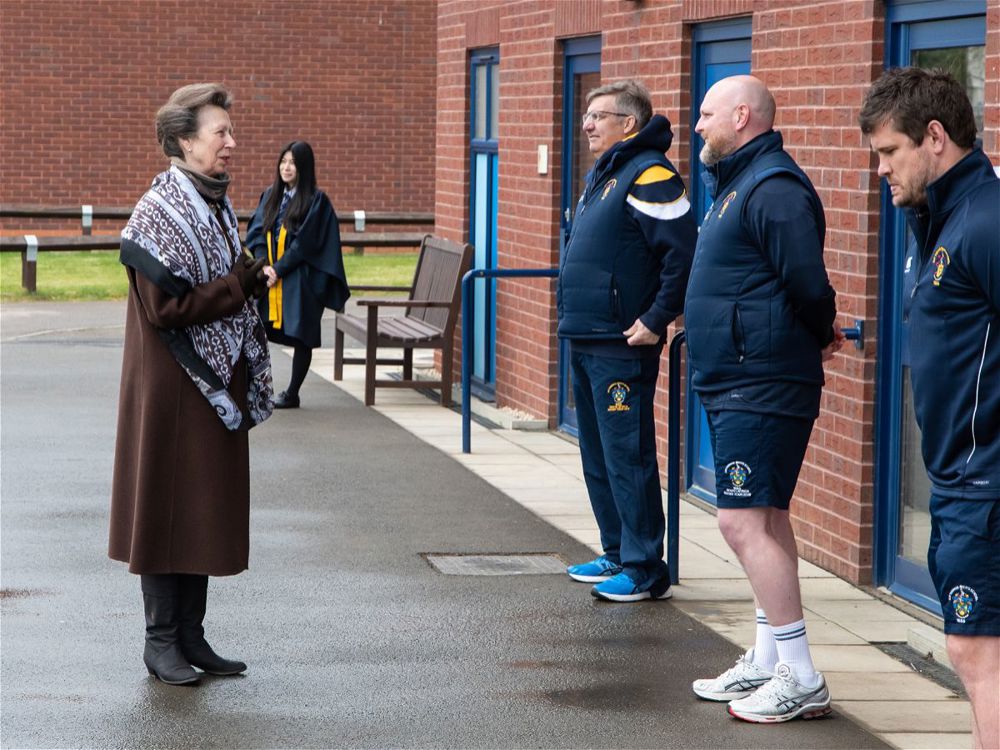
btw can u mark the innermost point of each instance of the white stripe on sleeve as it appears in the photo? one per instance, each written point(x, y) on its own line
point(665, 211)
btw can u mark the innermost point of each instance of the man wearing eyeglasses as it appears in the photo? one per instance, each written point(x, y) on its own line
point(621, 282)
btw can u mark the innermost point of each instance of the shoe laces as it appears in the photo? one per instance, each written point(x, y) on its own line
point(777, 688)
point(734, 670)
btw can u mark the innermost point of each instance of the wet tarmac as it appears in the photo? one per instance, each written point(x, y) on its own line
point(352, 637)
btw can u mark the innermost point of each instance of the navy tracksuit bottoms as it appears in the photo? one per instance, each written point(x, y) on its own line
point(614, 411)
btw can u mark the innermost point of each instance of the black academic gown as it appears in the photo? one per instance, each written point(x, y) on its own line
point(310, 273)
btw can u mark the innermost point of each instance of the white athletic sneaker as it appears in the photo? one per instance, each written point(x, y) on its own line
point(782, 699)
point(738, 681)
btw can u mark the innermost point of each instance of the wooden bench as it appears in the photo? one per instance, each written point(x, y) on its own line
point(430, 313)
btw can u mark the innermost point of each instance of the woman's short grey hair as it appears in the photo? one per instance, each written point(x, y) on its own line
point(631, 97)
point(178, 118)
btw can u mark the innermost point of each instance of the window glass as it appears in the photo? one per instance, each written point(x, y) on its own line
point(494, 101)
point(967, 64)
point(479, 126)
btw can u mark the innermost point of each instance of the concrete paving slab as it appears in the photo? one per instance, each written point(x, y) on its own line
point(865, 659)
point(831, 589)
point(736, 623)
point(881, 631)
point(851, 613)
point(929, 740)
point(879, 685)
point(697, 562)
point(714, 590)
point(931, 716)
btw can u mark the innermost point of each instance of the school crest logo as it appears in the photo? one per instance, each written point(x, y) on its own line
point(609, 187)
point(725, 203)
point(619, 392)
point(738, 473)
point(941, 261)
point(963, 600)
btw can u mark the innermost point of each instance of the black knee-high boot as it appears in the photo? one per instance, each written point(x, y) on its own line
point(162, 653)
point(193, 597)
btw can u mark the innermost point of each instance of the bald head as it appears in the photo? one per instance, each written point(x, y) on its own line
point(735, 111)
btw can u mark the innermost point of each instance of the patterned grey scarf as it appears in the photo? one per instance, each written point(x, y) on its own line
point(174, 240)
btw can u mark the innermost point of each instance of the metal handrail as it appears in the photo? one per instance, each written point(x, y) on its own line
point(674, 454)
point(468, 326)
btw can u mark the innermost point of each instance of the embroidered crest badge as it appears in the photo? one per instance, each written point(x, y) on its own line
point(941, 261)
point(726, 202)
point(738, 473)
point(963, 600)
point(619, 392)
point(609, 187)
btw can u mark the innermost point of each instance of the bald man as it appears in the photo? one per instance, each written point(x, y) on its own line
point(759, 318)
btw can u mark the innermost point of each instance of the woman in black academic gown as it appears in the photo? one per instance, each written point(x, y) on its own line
point(295, 230)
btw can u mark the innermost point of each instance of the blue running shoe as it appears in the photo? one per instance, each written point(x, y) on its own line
point(621, 588)
point(597, 570)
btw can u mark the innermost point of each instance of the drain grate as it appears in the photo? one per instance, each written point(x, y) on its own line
point(496, 565)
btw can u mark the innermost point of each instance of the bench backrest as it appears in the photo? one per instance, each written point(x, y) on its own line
point(440, 268)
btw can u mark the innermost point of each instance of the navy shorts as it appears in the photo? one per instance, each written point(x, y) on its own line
point(964, 562)
point(757, 457)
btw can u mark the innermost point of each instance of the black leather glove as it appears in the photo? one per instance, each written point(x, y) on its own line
point(248, 272)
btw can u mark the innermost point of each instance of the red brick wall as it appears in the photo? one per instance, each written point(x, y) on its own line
point(818, 58)
point(82, 81)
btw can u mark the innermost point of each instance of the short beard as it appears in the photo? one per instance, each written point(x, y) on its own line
point(918, 191)
point(713, 153)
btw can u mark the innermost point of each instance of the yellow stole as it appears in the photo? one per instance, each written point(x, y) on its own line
point(274, 293)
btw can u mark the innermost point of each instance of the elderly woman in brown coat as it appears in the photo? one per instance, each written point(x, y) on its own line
point(195, 377)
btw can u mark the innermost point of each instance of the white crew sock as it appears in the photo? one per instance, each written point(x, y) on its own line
point(765, 650)
point(793, 650)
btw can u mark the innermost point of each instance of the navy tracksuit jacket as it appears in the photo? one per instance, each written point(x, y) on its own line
point(952, 314)
point(759, 306)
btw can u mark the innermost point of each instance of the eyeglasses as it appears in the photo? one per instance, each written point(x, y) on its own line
point(600, 114)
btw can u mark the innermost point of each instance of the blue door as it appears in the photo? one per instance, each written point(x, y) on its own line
point(949, 35)
point(721, 50)
point(581, 74)
point(484, 117)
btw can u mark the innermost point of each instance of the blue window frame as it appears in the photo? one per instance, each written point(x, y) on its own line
point(483, 178)
point(720, 49)
point(917, 33)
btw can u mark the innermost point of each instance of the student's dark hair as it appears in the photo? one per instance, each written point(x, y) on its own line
point(909, 98)
point(631, 97)
point(178, 118)
point(305, 187)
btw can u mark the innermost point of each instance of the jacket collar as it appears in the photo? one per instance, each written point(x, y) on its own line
point(946, 192)
point(656, 136)
point(719, 175)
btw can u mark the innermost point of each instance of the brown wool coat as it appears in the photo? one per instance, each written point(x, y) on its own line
point(180, 498)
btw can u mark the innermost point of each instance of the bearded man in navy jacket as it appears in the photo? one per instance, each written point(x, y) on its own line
point(759, 318)
point(922, 128)
point(621, 282)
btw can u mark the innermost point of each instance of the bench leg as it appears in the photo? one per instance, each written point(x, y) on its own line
point(446, 362)
point(407, 364)
point(338, 355)
point(371, 355)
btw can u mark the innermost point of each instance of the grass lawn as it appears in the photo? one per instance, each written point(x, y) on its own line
point(97, 275)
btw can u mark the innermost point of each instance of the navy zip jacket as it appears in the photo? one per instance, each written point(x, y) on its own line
point(759, 307)
point(952, 313)
point(629, 252)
